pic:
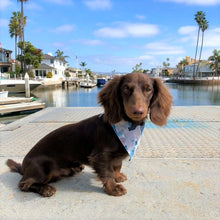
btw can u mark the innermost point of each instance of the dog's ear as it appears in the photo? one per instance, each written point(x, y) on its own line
point(109, 98)
point(161, 103)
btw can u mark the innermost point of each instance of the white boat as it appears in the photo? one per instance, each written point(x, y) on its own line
point(17, 86)
point(3, 94)
point(87, 83)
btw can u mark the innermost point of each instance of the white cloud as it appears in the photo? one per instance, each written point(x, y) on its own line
point(4, 22)
point(61, 2)
point(91, 42)
point(116, 62)
point(161, 48)
point(4, 4)
point(110, 32)
point(140, 17)
point(64, 28)
point(185, 30)
point(123, 30)
point(98, 4)
point(194, 2)
point(211, 36)
point(34, 6)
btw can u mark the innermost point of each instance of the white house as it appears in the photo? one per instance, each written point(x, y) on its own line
point(51, 64)
point(156, 72)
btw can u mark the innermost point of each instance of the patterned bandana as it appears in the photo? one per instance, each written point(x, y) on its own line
point(129, 135)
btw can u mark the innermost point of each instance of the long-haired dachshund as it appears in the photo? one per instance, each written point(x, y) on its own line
point(126, 99)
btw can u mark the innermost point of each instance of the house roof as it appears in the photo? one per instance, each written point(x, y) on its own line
point(6, 50)
point(49, 57)
point(44, 66)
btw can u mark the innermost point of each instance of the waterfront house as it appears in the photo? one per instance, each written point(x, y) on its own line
point(43, 70)
point(51, 64)
point(5, 60)
point(156, 72)
point(163, 71)
point(75, 72)
point(204, 70)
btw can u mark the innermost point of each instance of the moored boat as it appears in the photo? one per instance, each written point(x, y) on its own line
point(101, 82)
point(87, 84)
point(3, 94)
point(17, 86)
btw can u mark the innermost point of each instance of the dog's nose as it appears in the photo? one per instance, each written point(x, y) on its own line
point(138, 112)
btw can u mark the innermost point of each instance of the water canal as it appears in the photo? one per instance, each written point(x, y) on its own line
point(184, 95)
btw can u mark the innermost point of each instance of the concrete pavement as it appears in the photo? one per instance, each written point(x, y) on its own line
point(174, 175)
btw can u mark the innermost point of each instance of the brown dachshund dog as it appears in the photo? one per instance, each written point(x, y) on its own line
point(93, 142)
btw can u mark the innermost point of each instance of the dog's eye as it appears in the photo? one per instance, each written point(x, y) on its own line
point(147, 88)
point(127, 90)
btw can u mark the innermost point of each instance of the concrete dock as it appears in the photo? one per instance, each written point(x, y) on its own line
point(19, 104)
point(174, 175)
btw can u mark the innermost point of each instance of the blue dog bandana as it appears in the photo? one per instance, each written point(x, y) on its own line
point(129, 135)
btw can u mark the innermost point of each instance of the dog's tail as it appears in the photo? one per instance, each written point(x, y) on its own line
point(14, 166)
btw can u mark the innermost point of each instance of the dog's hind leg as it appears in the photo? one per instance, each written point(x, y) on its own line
point(36, 178)
point(30, 185)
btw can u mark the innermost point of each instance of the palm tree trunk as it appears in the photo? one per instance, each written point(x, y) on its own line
point(22, 17)
point(200, 54)
point(15, 50)
point(196, 52)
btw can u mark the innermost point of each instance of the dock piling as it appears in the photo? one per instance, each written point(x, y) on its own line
point(27, 85)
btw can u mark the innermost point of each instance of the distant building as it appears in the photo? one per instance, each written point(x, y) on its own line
point(156, 72)
point(162, 71)
point(168, 71)
point(5, 60)
point(75, 72)
point(51, 64)
point(203, 70)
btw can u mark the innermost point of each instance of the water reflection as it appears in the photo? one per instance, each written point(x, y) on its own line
point(68, 97)
point(184, 95)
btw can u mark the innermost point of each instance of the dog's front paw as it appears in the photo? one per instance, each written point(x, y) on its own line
point(116, 190)
point(120, 178)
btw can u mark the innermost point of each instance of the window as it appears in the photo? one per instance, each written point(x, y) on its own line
point(51, 61)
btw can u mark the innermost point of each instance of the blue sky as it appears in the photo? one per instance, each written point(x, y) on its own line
point(115, 34)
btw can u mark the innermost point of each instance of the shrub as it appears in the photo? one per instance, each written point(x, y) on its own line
point(49, 75)
point(17, 69)
point(67, 74)
point(31, 75)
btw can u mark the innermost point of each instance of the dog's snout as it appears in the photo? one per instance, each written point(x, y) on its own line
point(138, 111)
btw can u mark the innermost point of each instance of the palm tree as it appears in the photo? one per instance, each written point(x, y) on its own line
point(15, 28)
point(199, 17)
point(83, 64)
point(182, 64)
point(215, 58)
point(60, 55)
point(22, 28)
point(204, 26)
point(22, 19)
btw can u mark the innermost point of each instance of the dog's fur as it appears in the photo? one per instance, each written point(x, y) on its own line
point(93, 142)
